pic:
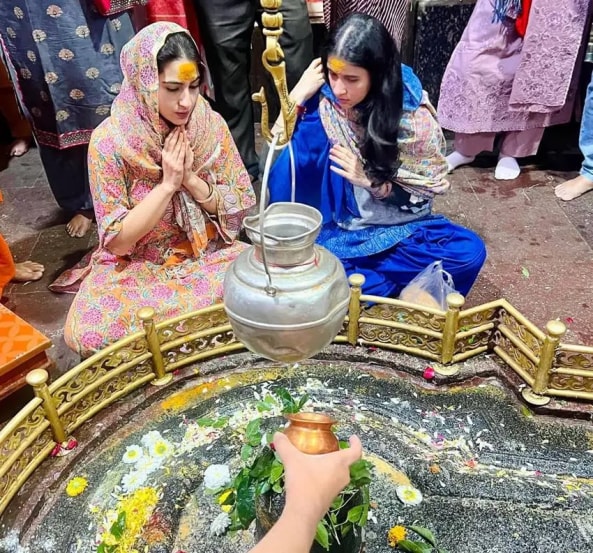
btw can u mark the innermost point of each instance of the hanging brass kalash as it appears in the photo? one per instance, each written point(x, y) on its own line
point(285, 296)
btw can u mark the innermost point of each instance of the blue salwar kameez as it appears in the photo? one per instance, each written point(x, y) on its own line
point(387, 243)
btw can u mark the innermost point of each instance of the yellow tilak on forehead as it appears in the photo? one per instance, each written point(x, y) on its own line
point(187, 72)
point(336, 65)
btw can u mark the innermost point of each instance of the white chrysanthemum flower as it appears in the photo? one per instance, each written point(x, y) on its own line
point(148, 465)
point(220, 524)
point(217, 476)
point(150, 437)
point(409, 495)
point(133, 454)
point(161, 449)
point(132, 481)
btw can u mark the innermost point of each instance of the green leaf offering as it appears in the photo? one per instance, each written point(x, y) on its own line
point(322, 536)
point(424, 533)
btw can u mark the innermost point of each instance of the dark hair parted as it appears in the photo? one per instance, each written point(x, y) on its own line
point(364, 41)
point(179, 46)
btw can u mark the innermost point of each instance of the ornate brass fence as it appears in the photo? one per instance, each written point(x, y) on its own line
point(546, 365)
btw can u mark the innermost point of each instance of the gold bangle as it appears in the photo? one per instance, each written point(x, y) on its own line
point(209, 197)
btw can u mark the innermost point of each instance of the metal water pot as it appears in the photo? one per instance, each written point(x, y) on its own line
point(287, 298)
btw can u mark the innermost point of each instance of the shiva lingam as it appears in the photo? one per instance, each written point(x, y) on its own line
point(286, 297)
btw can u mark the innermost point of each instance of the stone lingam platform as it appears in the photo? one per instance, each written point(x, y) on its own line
point(493, 476)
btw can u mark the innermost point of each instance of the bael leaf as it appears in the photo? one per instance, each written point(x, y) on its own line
point(322, 536)
point(252, 432)
point(302, 401)
point(246, 502)
point(337, 503)
point(205, 421)
point(264, 488)
point(276, 473)
point(424, 533)
point(262, 466)
point(355, 513)
point(277, 487)
point(410, 546)
point(360, 473)
point(119, 526)
point(246, 452)
point(365, 514)
point(220, 423)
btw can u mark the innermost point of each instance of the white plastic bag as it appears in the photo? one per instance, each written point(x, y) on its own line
point(429, 287)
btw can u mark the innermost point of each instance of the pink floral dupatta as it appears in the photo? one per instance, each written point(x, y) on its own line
point(140, 131)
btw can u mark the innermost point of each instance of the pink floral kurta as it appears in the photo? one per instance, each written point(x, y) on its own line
point(163, 270)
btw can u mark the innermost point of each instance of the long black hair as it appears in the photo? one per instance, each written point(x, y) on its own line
point(364, 41)
point(179, 46)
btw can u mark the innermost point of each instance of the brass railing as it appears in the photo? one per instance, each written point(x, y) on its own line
point(546, 365)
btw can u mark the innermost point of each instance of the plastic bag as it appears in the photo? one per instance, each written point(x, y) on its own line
point(429, 287)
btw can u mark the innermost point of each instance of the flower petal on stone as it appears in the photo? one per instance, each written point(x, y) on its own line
point(409, 495)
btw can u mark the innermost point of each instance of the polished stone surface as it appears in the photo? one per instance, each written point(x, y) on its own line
point(494, 477)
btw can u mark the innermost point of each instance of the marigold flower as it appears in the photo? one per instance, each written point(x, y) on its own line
point(395, 535)
point(76, 486)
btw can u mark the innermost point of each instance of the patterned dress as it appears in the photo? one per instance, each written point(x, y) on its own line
point(63, 57)
point(179, 265)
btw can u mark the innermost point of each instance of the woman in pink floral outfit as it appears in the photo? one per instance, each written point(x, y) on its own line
point(170, 193)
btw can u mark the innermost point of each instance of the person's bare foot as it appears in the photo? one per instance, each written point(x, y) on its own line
point(573, 188)
point(20, 147)
point(79, 225)
point(27, 271)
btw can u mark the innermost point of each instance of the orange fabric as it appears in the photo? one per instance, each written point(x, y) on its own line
point(522, 21)
point(6, 265)
point(19, 341)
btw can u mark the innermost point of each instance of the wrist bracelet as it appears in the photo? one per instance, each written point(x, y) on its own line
point(209, 197)
point(301, 110)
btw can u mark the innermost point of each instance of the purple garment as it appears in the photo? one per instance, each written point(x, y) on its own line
point(549, 48)
point(480, 77)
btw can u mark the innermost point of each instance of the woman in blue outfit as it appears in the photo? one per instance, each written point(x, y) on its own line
point(369, 155)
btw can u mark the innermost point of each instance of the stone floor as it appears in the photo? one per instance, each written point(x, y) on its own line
point(540, 248)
